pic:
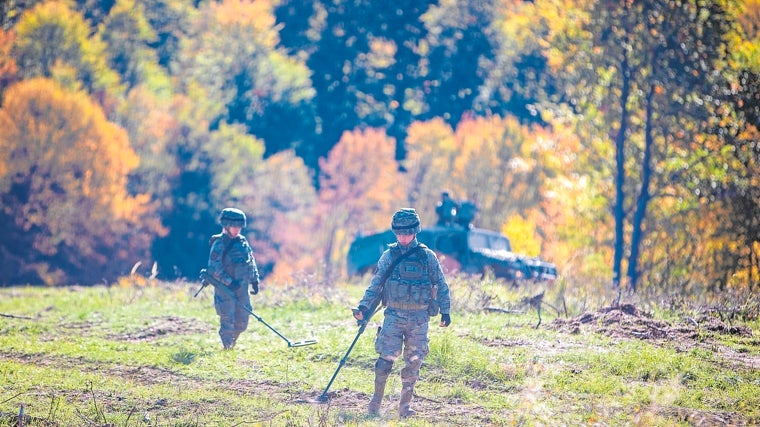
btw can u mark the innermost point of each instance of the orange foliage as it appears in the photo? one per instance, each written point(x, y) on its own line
point(8, 67)
point(360, 188)
point(64, 174)
point(749, 19)
point(248, 20)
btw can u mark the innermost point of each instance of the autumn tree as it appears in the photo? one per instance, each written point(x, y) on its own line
point(502, 166)
point(55, 41)
point(232, 53)
point(284, 199)
point(496, 163)
point(431, 152)
point(67, 215)
point(732, 198)
point(128, 35)
point(8, 67)
point(359, 189)
point(644, 74)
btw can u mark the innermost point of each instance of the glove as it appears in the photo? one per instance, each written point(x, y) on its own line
point(254, 288)
point(360, 313)
point(235, 284)
point(445, 320)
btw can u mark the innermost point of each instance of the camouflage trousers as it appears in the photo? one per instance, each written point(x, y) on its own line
point(407, 331)
point(231, 307)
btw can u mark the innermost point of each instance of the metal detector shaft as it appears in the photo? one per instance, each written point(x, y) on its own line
point(290, 343)
point(362, 327)
point(323, 396)
point(206, 279)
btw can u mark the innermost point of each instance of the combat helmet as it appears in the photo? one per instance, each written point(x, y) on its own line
point(231, 217)
point(405, 221)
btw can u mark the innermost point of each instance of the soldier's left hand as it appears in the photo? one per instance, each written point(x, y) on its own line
point(445, 320)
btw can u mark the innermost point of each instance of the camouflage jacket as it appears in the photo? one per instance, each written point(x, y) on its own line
point(232, 259)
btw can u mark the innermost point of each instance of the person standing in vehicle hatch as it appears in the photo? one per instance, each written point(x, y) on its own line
point(231, 263)
point(413, 288)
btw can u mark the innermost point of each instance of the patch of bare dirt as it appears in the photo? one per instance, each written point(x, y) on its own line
point(698, 417)
point(162, 326)
point(626, 321)
point(431, 410)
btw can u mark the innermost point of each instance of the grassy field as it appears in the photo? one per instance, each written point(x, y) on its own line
point(150, 355)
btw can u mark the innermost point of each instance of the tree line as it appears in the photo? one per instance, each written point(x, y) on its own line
point(617, 139)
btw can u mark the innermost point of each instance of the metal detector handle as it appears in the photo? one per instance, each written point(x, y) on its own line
point(203, 285)
point(204, 282)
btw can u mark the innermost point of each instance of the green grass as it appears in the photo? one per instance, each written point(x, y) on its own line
point(134, 356)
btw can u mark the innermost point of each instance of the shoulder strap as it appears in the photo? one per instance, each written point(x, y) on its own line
point(227, 247)
point(397, 261)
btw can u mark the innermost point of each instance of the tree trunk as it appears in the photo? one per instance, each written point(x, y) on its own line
point(619, 210)
point(644, 196)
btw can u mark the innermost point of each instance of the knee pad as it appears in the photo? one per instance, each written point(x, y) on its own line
point(383, 367)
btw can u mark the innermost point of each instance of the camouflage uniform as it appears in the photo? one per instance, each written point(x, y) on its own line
point(231, 263)
point(407, 295)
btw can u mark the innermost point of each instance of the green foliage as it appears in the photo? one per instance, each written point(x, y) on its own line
point(128, 35)
point(67, 43)
point(232, 54)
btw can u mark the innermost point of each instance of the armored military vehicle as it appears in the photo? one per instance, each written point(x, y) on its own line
point(461, 248)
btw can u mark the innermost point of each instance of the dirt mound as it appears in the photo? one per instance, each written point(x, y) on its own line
point(627, 321)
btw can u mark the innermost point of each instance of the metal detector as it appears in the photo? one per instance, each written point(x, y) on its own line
point(207, 279)
point(362, 326)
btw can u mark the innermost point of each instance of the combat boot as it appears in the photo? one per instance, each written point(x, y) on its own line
point(382, 370)
point(407, 392)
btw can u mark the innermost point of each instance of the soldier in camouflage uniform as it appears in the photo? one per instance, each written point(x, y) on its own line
point(446, 209)
point(414, 291)
point(231, 263)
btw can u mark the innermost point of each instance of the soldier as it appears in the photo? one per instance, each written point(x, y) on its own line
point(414, 291)
point(446, 209)
point(466, 213)
point(231, 263)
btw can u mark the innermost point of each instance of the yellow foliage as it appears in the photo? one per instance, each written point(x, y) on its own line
point(522, 234)
point(75, 53)
point(431, 150)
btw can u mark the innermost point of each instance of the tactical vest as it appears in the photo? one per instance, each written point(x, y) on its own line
point(236, 259)
point(409, 287)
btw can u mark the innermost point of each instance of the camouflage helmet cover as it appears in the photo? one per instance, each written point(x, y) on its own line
point(231, 217)
point(405, 221)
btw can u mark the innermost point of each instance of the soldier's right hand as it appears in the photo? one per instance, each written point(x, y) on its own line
point(235, 284)
point(359, 313)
